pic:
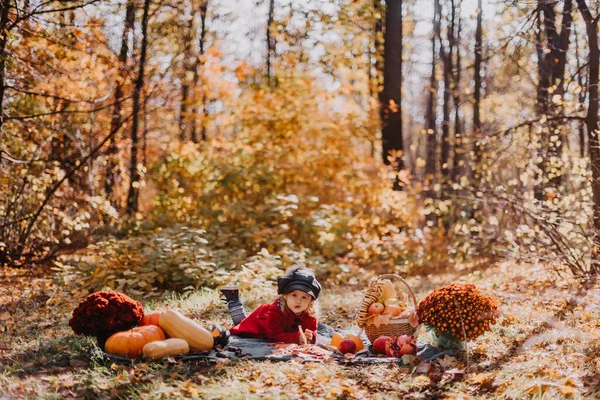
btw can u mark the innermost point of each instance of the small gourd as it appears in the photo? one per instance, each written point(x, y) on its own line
point(179, 326)
point(129, 344)
point(165, 348)
point(220, 334)
point(387, 289)
point(336, 339)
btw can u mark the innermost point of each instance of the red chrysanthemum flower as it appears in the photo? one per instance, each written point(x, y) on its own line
point(103, 313)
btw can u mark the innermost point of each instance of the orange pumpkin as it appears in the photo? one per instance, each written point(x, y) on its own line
point(130, 343)
point(150, 319)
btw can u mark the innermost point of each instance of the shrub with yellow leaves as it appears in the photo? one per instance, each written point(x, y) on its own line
point(459, 310)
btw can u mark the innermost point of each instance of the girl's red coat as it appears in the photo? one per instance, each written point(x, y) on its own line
point(268, 321)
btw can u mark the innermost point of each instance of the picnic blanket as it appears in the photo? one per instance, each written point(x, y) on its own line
point(240, 348)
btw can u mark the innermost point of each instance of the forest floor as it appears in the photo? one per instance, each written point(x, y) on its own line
point(545, 345)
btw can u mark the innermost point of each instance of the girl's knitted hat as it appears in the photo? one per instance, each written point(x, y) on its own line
point(299, 279)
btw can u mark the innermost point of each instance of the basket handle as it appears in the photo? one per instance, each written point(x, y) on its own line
point(394, 276)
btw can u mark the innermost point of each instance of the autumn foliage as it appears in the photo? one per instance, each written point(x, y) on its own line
point(286, 162)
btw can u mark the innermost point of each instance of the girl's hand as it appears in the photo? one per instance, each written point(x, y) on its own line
point(309, 336)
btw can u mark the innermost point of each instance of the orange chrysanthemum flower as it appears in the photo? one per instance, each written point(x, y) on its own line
point(460, 310)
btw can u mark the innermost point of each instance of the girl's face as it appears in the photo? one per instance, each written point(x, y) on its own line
point(297, 301)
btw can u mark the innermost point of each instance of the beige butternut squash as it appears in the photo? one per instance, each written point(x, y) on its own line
point(179, 326)
point(165, 348)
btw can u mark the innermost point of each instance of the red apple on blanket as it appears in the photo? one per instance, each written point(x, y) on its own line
point(379, 344)
point(347, 346)
point(376, 308)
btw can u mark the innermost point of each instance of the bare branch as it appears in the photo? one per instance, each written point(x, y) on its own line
point(39, 11)
point(26, 117)
point(56, 97)
point(7, 156)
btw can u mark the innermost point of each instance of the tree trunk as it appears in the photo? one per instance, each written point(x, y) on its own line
point(431, 111)
point(459, 162)
point(546, 17)
point(552, 59)
point(559, 61)
point(26, 24)
point(541, 100)
point(202, 112)
point(391, 96)
point(4, 21)
point(134, 184)
point(145, 131)
point(271, 44)
point(446, 57)
point(477, 134)
point(379, 44)
point(184, 117)
point(581, 96)
point(372, 93)
point(115, 121)
point(560, 48)
point(375, 81)
point(591, 25)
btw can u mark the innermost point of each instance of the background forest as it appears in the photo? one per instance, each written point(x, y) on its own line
point(384, 135)
point(155, 145)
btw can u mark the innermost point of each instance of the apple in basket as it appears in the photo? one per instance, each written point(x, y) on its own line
point(379, 344)
point(376, 308)
point(392, 309)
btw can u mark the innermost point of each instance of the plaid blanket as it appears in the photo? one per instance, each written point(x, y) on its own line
point(240, 348)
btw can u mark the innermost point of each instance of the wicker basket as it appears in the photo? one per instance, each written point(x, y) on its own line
point(395, 327)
